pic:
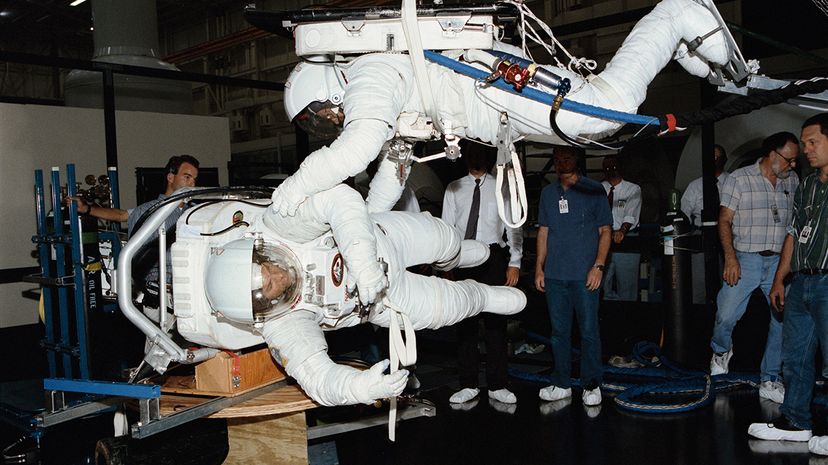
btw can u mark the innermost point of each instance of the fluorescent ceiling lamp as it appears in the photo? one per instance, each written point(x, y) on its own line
point(76, 2)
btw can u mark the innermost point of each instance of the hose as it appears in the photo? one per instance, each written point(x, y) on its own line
point(539, 96)
point(189, 193)
point(667, 379)
point(745, 104)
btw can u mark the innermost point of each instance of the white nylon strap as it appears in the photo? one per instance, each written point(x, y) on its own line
point(402, 352)
point(509, 162)
point(418, 63)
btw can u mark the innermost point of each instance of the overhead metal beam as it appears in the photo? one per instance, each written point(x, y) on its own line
point(70, 63)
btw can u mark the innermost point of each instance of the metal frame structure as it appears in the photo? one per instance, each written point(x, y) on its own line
point(69, 346)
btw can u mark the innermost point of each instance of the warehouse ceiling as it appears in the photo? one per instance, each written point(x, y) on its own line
point(59, 22)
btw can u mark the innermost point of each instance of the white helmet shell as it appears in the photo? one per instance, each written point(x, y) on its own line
point(312, 82)
point(233, 281)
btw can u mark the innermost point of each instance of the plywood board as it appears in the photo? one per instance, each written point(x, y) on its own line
point(287, 399)
point(280, 440)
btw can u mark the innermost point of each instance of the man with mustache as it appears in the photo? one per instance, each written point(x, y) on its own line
point(805, 254)
point(756, 204)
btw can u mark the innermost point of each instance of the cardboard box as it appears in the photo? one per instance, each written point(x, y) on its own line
point(230, 374)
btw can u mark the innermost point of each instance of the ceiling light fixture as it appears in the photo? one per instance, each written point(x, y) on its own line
point(76, 2)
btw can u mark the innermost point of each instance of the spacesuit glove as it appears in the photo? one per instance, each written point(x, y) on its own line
point(691, 63)
point(287, 198)
point(372, 384)
point(371, 283)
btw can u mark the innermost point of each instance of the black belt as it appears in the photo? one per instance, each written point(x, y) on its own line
point(813, 271)
point(768, 253)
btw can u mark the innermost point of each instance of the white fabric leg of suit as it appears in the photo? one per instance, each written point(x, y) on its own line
point(430, 302)
point(298, 343)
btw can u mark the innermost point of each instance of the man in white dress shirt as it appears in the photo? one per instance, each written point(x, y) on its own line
point(624, 197)
point(691, 204)
point(692, 201)
point(502, 267)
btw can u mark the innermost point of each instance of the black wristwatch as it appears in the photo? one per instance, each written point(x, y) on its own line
point(599, 266)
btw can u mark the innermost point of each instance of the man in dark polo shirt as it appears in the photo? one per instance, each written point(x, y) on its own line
point(805, 254)
point(573, 241)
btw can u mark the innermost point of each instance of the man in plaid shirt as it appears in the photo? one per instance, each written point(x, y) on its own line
point(756, 204)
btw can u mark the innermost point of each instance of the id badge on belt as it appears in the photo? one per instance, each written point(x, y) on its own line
point(805, 234)
point(563, 206)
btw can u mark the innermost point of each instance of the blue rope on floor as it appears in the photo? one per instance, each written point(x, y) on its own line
point(657, 379)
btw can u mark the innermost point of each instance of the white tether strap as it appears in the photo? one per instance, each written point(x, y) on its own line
point(403, 352)
point(418, 63)
point(507, 156)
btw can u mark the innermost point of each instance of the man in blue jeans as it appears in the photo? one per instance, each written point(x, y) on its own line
point(573, 241)
point(805, 253)
point(755, 209)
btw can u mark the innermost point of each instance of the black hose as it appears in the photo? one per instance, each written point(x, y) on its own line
point(557, 130)
point(213, 202)
point(267, 191)
point(746, 104)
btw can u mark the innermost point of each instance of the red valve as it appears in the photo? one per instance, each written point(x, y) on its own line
point(513, 74)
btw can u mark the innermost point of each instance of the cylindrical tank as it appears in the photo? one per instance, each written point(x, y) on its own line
point(676, 281)
point(126, 32)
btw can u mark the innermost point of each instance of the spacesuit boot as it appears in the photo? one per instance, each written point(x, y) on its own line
point(472, 253)
point(504, 300)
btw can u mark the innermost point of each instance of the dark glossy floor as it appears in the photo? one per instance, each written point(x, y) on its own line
point(565, 432)
point(531, 432)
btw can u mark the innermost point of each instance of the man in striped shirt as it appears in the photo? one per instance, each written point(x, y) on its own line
point(755, 209)
point(805, 254)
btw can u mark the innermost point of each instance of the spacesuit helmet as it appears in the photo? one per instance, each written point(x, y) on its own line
point(313, 98)
point(252, 281)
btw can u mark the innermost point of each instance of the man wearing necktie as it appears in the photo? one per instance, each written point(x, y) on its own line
point(469, 205)
point(624, 198)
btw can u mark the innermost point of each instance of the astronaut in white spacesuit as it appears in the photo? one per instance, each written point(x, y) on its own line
point(283, 280)
point(374, 97)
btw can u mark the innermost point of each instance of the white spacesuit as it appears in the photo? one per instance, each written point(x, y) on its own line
point(374, 98)
point(244, 275)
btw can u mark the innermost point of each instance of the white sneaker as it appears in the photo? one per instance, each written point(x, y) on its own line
point(464, 395)
point(504, 300)
point(818, 445)
point(773, 391)
point(719, 363)
point(503, 395)
point(554, 393)
point(591, 397)
point(770, 432)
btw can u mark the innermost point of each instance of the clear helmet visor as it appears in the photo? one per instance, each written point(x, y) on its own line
point(275, 280)
point(251, 281)
point(321, 119)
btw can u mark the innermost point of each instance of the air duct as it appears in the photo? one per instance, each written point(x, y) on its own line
point(126, 32)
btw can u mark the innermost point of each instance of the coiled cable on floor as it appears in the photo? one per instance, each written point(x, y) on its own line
point(658, 377)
